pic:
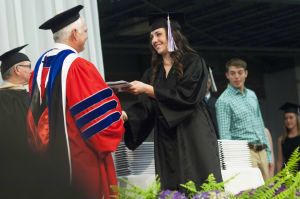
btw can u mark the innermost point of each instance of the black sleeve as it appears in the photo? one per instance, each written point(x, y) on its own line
point(140, 119)
point(179, 102)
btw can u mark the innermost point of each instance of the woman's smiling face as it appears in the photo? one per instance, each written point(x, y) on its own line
point(159, 40)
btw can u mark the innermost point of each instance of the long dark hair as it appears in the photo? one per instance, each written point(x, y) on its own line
point(183, 47)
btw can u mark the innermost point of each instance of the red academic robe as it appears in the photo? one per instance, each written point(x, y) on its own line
point(92, 123)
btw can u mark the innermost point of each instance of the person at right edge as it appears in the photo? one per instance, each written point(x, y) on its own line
point(171, 95)
point(290, 139)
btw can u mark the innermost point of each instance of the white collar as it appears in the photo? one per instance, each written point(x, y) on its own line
point(12, 86)
point(64, 46)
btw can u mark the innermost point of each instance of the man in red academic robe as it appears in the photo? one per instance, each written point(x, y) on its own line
point(74, 118)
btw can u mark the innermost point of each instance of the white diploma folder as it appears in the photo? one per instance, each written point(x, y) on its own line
point(118, 85)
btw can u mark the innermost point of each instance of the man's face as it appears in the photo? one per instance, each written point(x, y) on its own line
point(23, 70)
point(81, 36)
point(237, 77)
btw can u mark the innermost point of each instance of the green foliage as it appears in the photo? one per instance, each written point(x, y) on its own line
point(212, 184)
point(287, 178)
point(285, 185)
point(291, 191)
point(190, 187)
point(209, 185)
point(135, 192)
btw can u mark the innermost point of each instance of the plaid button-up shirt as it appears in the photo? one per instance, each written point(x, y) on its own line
point(239, 117)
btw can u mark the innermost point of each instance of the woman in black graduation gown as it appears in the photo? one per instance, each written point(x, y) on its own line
point(171, 96)
point(290, 140)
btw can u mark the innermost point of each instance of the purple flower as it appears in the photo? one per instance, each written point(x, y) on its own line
point(168, 194)
point(210, 194)
point(250, 192)
point(280, 189)
point(178, 195)
point(197, 196)
point(172, 194)
point(205, 195)
point(164, 194)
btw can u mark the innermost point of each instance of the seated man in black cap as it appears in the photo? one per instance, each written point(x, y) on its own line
point(14, 98)
point(74, 118)
point(15, 69)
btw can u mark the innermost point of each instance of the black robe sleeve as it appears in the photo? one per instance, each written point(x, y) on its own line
point(16, 167)
point(140, 119)
point(178, 102)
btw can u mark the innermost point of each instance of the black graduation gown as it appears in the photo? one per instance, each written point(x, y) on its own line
point(15, 166)
point(185, 143)
point(288, 147)
point(210, 105)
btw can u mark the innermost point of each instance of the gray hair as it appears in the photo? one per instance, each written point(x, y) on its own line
point(7, 74)
point(63, 34)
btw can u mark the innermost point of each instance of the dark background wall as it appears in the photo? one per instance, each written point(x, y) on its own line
point(265, 33)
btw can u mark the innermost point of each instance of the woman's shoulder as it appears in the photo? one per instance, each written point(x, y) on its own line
point(148, 70)
point(192, 59)
point(286, 140)
point(296, 138)
point(190, 56)
point(147, 75)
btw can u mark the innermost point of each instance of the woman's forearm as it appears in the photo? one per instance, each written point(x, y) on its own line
point(149, 90)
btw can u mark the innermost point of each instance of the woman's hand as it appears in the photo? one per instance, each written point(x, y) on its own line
point(136, 87)
point(124, 116)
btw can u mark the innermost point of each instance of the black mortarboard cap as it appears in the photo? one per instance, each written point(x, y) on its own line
point(290, 108)
point(11, 58)
point(159, 20)
point(61, 20)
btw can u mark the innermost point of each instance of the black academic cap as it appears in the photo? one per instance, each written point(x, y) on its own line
point(290, 108)
point(61, 20)
point(159, 20)
point(11, 58)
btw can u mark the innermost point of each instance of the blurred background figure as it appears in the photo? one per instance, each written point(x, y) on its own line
point(290, 139)
point(14, 100)
point(210, 101)
point(272, 165)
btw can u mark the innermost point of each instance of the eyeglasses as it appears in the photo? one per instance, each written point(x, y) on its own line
point(23, 65)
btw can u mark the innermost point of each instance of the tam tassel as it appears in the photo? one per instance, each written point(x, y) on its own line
point(213, 83)
point(171, 43)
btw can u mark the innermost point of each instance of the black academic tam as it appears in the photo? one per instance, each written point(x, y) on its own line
point(12, 57)
point(61, 20)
